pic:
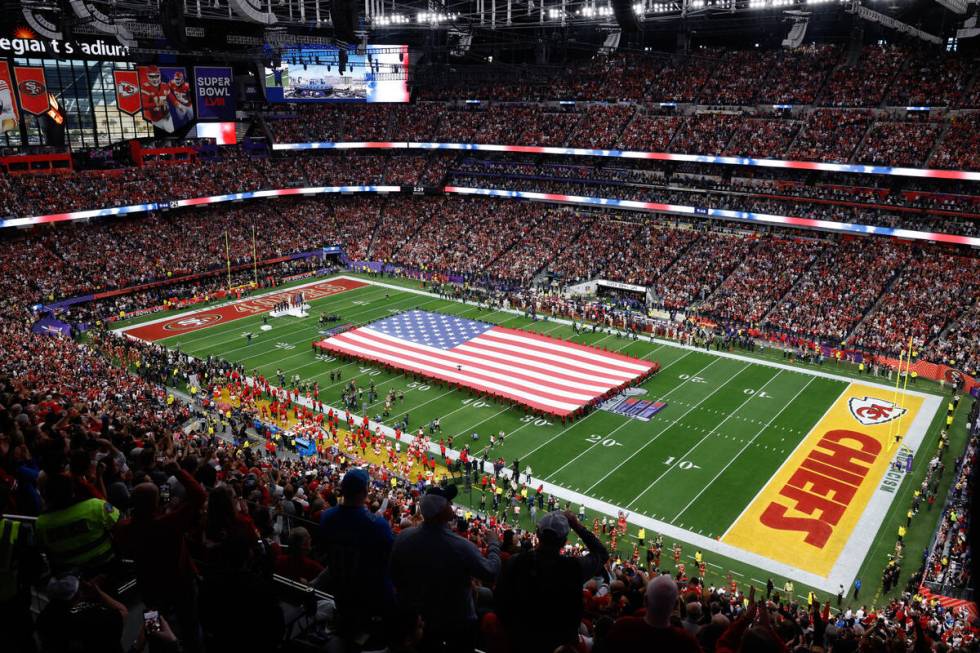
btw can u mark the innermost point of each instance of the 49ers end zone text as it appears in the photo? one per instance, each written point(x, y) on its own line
point(190, 322)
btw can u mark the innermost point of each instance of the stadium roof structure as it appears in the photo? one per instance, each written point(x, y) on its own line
point(527, 31)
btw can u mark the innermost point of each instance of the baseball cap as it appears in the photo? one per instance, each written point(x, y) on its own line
point(556, 523)
point(436, 499)
point(355, 480)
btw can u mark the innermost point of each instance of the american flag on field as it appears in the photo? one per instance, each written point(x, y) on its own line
point(544, 373)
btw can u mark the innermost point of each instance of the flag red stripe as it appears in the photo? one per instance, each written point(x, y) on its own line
point(449, 361)
point(633, 363)
point(362, 338)
point(507, 360)
point(522, 397)
point(571, 363)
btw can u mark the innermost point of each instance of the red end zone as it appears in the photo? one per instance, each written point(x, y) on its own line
point(189, 322)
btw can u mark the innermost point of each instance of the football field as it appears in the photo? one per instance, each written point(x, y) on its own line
point(767, 468)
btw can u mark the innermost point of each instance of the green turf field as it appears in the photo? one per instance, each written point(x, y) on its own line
point(729, 425)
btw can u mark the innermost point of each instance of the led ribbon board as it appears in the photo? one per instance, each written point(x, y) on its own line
point(602, 202)
point(851, 168)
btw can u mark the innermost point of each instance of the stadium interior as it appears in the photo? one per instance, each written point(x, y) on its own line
point(507, 326)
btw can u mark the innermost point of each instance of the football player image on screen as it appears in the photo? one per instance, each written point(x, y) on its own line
point(180, 96)
point(8, 114)
point(155, 94)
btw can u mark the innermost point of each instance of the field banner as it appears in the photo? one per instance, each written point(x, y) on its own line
point(33, 89)
point(165, 97)
point(212, 87)
point(8, 105)
point(127, 91)
point(809, 509)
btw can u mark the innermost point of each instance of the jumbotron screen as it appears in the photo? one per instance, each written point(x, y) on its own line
point(376, 73)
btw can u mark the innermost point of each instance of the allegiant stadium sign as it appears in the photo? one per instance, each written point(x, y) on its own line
point(98, 49)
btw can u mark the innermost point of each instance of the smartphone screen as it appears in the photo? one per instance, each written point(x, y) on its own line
point(151, 621)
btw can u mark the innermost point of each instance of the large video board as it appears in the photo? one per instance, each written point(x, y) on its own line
point(375, 73)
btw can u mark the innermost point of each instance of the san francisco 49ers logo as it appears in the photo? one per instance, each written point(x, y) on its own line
point(32, 87)
point(125, 89)
point(870, 411)
point(193, 322)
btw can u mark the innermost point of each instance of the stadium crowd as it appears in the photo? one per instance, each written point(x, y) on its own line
point(761, 279)
point(868, 294)
point(184, 496)
point(127, 459)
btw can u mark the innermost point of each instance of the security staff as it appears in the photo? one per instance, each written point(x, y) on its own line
point(75, 534)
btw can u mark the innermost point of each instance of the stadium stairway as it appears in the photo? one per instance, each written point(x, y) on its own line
point(374, 232)
point(856, 152)
point(828, 250)
point(882, 296)
point(940, 137)
point(585, 226)
point(264, 126)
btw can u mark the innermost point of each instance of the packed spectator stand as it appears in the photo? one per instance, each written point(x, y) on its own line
point(98, 421)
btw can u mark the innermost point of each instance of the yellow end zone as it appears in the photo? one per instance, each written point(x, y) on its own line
point(808, 510)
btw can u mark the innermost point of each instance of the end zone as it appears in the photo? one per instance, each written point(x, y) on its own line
point(202, 319)
point(831, 495)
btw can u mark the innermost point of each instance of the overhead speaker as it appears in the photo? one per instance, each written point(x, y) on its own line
point(343, 15)
point(625, 16)
point(172, 22)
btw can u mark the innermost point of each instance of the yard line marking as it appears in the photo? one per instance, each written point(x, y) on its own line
point(630, 421)
point(763, 488)
point(506, 435)
point(666, 428)
point(747, 445)
point(463, 432)
point(594, 412)
point(706, 436)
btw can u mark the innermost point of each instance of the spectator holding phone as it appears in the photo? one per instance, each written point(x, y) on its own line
point(155, 538)
point(80, 617)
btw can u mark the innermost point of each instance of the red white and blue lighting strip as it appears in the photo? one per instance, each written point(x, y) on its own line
point(196, 201)
point(850, 168)
point(601, 202)
point(722, 214)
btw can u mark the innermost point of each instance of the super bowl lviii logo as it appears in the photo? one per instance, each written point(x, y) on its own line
point(871, 411)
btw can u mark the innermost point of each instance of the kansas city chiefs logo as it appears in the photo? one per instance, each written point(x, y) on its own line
point(126, 89)
point(871, 411)
point(194, 322)
point(32, 88)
